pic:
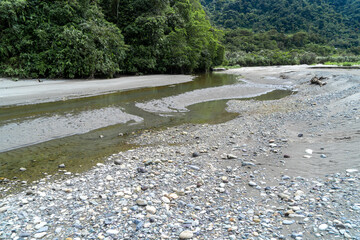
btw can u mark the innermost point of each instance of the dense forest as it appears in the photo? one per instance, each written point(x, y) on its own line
point(87, 38)
point(274, 32)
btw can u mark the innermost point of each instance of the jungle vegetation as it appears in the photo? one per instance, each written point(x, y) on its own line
point(276, 32)
point(87, 38)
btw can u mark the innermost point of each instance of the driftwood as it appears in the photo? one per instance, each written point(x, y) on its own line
point(318, 81)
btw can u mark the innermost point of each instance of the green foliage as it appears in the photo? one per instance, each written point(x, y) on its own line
point(84, 38)
point(165, 36)
point(57, 39)
point(315, 26)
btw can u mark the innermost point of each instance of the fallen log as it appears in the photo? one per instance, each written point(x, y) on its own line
point(318, 81)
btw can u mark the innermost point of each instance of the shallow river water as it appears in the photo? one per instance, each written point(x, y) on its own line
point(82, 132)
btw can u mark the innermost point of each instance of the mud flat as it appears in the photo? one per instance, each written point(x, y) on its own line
point(283, 169)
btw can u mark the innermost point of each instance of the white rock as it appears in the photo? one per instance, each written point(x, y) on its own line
point(112, 231)
point(40, 235)
point(252, 184)
point(165, 199)
point(40, 225)
point(151, 209)
point(323, 227)
point(4, 209)
point(351, 170)
point(109, 178)
point(309, 151)
point(186, 234)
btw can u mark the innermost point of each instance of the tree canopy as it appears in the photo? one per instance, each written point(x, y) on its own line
point(84, 38)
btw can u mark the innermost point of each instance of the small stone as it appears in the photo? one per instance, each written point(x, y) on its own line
point(151, 209)
point(40, 235)
point(244, 164)
point(61, 166)
point(112, 231)
point(284, 196)
point(186, 234)
point(285, 177)
point(309, 151)
point(252, 184)
point(231, 156)
point(300, 135)
point(195, 154)
point(117, 162)
point(22, 169)
point(141, 202)
point(194, 167)
point(351, 170)
point(109, 178)
point(323, 156)
point(165, 199)
point(173, 196)
point(224, 179)
point(141, 170)
point(4, 209)
point(323, 227)
point(288, 222)
point(286, 156)
point(24, 235)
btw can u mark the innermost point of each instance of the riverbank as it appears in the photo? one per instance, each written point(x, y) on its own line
point(282, 169)
point(35, 91)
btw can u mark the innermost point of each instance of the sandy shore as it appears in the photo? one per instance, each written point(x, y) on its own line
point(283, 169)
point(32, 91)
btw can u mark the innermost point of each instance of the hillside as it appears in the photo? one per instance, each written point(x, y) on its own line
point(337, 21)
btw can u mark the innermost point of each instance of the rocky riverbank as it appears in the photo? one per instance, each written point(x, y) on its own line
point(284, 169)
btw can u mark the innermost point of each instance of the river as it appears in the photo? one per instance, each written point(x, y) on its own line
point(83, 131)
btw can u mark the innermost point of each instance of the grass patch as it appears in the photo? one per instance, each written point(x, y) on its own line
point(345, 64)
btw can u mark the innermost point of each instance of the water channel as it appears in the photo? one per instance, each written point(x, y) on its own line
point(39, 137)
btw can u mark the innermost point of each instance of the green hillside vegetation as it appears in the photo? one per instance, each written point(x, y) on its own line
point(83, 38)
point(269, 32)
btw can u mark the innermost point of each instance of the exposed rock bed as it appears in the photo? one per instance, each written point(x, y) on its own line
point(284, 169)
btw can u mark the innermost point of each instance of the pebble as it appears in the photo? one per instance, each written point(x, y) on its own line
point(195, 154)
point(112, 231)
point(109, 178)
point(165, 199)
point(22, 169)
point(40, 235)
point(231, 156)
point(352, 170)
point(309, 151)
point(151, 209)
point(165, 191)
point(288, 222)
point(252, 184)
point(117, 162)
point(141, 202)
point(61, 165)
point(186, 234)
point(323, 227)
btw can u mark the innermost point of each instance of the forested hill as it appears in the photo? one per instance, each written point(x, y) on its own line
point(84, 38)
point(326, 17)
